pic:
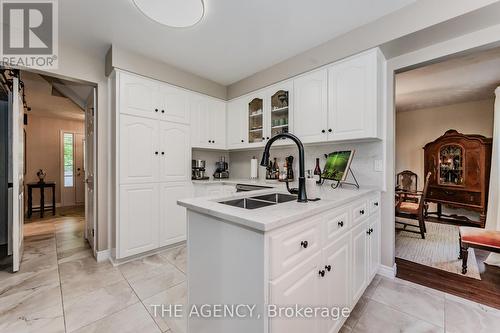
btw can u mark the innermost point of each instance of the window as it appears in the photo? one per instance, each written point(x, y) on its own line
point(68, 159)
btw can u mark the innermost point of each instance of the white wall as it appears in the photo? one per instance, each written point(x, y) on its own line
point(416, 128)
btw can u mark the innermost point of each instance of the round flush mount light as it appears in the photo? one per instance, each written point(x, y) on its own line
point(173, 13)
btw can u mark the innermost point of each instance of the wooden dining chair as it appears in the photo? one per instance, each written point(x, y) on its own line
point(407, 184)
point(414, 210)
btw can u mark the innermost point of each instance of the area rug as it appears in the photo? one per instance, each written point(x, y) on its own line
point(439, 249)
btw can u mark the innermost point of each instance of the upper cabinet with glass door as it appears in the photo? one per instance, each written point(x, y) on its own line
point(256, 131)
point(279, 114)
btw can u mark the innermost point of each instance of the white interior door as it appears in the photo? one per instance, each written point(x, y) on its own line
point(16, 175)
point(79, 169)
point(89, 162)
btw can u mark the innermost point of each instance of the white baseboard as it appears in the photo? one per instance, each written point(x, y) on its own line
point(102, 256)
point(387, 271)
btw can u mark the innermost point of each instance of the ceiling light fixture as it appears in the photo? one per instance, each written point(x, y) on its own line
point(173, 13)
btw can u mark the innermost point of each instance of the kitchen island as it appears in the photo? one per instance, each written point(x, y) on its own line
point(315, 254)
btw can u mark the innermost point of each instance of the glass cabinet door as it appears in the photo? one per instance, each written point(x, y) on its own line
point(451, 170)
point(256, 120)
point(279, 112)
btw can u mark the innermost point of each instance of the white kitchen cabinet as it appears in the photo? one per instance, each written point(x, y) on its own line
point(303, 286)
point(174, 104)
point(237, 124)
point(139, 150)
point(374, 244)
point(310, 112)
point(138, 96)
point(208, 122)
point(257, 118)
point(172, 216)
point(359, 261)
point(337, 257)
point(139, 219)
point(354, 98)
point(278, 109)
point(175, 152)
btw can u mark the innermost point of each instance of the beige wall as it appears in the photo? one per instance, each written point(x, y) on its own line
point(416, 128)
point(43, 150)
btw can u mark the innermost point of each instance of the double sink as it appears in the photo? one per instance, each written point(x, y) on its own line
point(260, 200)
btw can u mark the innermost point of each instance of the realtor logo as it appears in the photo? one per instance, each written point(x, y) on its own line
point(29, 33)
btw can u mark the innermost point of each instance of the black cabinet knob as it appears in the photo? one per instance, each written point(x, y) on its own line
point(321, 273)
point(368, 232)
point(371, 230)
point(330, 130)
point(162, 111)
point(209, 141)
point(375, 204)
point(323, 131)
point(242, 140)
point(304, 244)
point(163, 153)
point(156, 153)
point(341, 224)
point(362, 212)
point(213, 141)
point(267, 138)
point(156, 110)
point(328, 268)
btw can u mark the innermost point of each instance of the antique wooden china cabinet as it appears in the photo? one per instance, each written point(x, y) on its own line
point(460, 167)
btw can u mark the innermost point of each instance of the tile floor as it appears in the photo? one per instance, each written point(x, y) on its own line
point(61, 288)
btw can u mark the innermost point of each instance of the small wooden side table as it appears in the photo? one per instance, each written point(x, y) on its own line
point(41, 186)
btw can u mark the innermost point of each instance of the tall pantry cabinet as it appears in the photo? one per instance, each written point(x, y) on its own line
point(151, 163)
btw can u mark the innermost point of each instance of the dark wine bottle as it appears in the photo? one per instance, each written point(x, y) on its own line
point(317, 172)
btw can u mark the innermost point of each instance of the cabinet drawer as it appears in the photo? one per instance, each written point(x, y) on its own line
point(458, 196)
point(359, 211)
point(336, 224)
point(374, 205)
point(291, 247)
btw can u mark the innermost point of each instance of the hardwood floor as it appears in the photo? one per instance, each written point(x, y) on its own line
point(485, 291)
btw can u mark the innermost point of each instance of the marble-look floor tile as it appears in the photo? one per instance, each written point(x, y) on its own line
point(169, 276)
point(463, 316)
point(417, 302)
point(174, 295)
point(98, 304)
point(133, 319)
point(23, 281)
point(357, 312)
point(144, 267)
point(177, 256)
point(73, 254)
point(32, 310)
point(370, 290)
point(381, 318)
point(81, 276)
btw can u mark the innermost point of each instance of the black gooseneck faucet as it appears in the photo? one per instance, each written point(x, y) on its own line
point(301, 191)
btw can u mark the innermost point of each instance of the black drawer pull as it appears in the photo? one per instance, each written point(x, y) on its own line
point(304, 244)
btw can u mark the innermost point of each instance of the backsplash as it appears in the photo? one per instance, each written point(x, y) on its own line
point(366, 153)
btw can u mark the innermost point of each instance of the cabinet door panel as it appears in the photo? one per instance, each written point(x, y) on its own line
point(338, 258)
point(175, 152)
point(311, 107)
point(353, 98)
point(173, 216)
point(174, 104)
point(336, 224)
point(199, 121)
point(359, 261)
point(302, 286)
point(374, 247)
point(138, 221)
point(237, 124)
point(139, 161)
point(217, 124)
point(138, 96)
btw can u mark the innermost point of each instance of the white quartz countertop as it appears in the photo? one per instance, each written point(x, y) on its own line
point(234, 181)
point(271, 217)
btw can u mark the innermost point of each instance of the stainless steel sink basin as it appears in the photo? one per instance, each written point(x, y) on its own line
point(248, 203)
point(260, 200)
point(276, 197)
